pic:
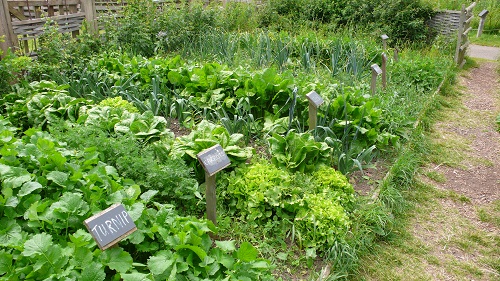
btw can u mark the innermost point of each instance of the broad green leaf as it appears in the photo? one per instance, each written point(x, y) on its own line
point(71, 203)
point(93, 272)
point(160, 262)
point(28, 188)
point(148, 195)
point(197, 250)
point(58, 178)
point(226, 246)
point(5, 262)
point(135, 211)
point(135, 276)
point(81, 257)
point(247, 252)
point(117, 259)
point(261, 265)
point(13, 177)
point(10, 232)
point(41, 248)
point(39, 244)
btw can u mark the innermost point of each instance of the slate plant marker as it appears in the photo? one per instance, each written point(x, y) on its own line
point(384, 41)
point(482, 15)
point(376, 71)
point(213, 160)
point(315, 100)
point(110, 226)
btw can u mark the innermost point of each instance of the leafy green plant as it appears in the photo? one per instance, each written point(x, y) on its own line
point(50, 102)
point(298, 152)
point(119, 102)
point(205, 136)
point(315, 206)
point(48, 190)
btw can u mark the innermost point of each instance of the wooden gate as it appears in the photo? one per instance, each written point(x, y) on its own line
point(464, 28)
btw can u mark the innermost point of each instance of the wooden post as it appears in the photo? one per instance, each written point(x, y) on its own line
point(6, 28)
point(384, 41)
point(396, 54)
point(213, 160)
point(460, 31)
point(88, 6)
point(482, 15)
point(211, 198)
point(315, 101)
point(384, 70)
point(376, 71)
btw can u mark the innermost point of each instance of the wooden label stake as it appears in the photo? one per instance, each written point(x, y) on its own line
point(110, 226)
point(376, 71)
point(315, 100)
point(384, 70)
point(213, 160)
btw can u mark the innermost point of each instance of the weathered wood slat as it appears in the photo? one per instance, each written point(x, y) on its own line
point(18, 14)
point(43, 20)
point(467, 31)
point(22, 3)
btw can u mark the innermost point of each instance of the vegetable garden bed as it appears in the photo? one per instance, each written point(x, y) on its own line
point(82, 133)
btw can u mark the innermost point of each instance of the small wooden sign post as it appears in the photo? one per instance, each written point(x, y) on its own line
point(384, 41)
point(315, 100)
point(384, 70)
point(213, 160)
point(110, 226)
point(482, 15)
point(376, 71)
point(396, 54)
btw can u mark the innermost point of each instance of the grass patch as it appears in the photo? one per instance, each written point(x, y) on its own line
point(436, 176)
point(490, 213)
point(492, 40)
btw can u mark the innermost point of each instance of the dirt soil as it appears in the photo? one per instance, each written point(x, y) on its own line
point(475, 181)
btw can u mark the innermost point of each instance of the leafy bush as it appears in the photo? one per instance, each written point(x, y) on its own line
point(317, 205)
point(119, 102)
point(205, 136)
point(402, 20)
point(298, 152)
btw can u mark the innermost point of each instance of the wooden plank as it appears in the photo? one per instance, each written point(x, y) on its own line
point(88, 7)
point(467, 31)
point(43, 20)
point(18, 14)
point(469, 19)
point(22, 3)
point(6, 28)
point(465, 46)
point(469, 9)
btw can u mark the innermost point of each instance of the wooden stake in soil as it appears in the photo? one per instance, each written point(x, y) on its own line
point(315, 100)
point(384, 41)
point(482, 15)
point(213, 160)
point(376, 71)
point(384, 71)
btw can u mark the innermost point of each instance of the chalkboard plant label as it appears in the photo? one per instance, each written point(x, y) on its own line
point(315, 99)
point(376, 68)
point(110, 226)
point(213, 159)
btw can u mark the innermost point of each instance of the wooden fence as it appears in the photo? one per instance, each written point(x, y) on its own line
point(22, 21)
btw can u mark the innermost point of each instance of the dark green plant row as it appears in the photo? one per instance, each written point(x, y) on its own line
point(48, 189)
